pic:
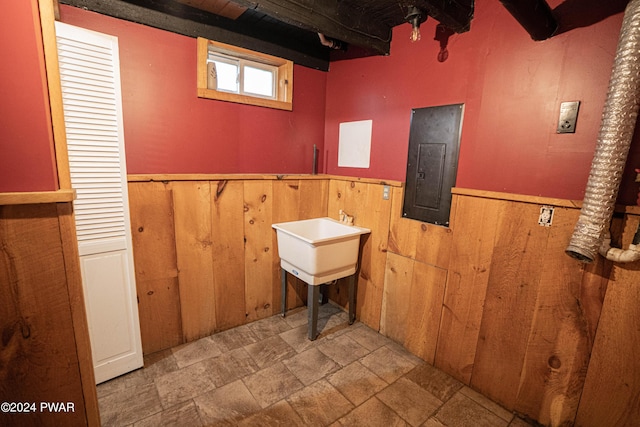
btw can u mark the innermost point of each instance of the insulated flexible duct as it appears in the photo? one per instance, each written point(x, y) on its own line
point(612, 147)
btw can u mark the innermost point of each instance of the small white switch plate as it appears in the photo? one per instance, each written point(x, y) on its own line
point(568, 117)
point(385, 192)
point(546, 216)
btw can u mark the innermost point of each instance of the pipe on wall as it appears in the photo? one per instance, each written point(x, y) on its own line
point(631, 254)
point(614, 139)
point(535, 16)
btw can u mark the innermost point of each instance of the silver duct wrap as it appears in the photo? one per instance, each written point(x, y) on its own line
point(612, 147)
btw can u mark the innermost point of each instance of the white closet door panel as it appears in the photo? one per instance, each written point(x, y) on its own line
point(96, 104)
point(82, 88)
point(108, 134)
point(87, 182)
point(108, 296)
point(90, 78)
point(101, 245)
point(89, 70)
point(97, 178)
point(100, 233)
point(104, 194)
point(104, 223)
point(91, 127)
point(93, 158)
point(86, 75)
point(74, 116)
point(90, 151)
point(104, 167)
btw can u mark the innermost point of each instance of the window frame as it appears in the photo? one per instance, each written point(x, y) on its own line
point(283, 84)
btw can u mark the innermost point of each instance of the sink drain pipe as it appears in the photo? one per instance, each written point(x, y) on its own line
point(621, 255)
point(614, 139)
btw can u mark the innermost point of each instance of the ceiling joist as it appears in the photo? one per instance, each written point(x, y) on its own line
point(181, 19)
point(288, 28)
point(336, 19)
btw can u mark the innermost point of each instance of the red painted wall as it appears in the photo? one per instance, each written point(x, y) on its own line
point(168, 129)
point(512, 88)
point(27, 160)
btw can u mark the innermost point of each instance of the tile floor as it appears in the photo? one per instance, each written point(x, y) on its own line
point(268, 373)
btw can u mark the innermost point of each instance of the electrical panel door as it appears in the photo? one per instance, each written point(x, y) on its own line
point(432, 163)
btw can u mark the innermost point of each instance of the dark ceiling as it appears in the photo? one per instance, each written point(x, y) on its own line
point(289, 28)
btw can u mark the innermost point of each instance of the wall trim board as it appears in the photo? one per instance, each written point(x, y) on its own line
point(523, 198)
point(538, 200)
point(48, 10)
point(217, 177)
point(248, 177)
point(69, 241)
point(35, 197)
point(367, 180)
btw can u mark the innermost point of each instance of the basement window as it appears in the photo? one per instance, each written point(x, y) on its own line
point(233, 74)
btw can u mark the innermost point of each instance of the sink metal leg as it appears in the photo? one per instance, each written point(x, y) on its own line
point(283, 294)
point(313, 294)
point(352, 299)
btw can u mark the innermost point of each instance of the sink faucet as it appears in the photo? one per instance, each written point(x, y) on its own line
point(347, 219)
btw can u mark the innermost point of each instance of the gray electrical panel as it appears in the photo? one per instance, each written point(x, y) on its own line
point(432, 163)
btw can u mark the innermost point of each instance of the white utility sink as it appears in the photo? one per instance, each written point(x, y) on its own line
point(319, 250)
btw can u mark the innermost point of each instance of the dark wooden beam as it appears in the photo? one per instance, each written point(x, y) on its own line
point(335, 19)
point(188, 21)
point(456, 15)
point(535, 16)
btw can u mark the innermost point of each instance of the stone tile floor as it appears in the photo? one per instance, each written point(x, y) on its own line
point(268, 373)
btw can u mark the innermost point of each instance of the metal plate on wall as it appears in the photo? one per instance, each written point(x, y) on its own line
point(432, 163)
point(568, 117)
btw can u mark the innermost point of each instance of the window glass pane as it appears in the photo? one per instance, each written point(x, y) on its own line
point(258, 81)
point(237, 75)
point(227, 76)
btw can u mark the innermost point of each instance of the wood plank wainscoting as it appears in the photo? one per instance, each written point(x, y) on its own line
point(45, 354)
point(205, 253)
point(492, 300)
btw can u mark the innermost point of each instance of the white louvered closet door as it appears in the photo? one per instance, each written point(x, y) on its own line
point(90, 76)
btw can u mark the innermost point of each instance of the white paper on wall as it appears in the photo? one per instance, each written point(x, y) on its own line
point(354, 144)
